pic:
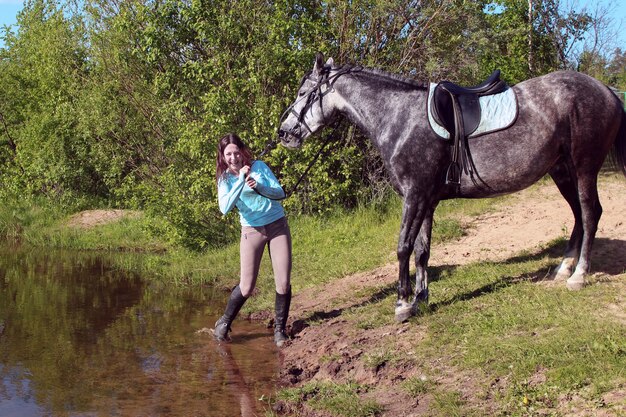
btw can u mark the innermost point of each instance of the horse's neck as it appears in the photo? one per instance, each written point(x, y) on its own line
point(367, 102)
point(358, 106)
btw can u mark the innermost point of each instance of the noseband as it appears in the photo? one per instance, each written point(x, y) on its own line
point(310, 97)
point(316, 94)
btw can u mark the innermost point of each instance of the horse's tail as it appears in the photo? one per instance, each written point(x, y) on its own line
point(618, 153)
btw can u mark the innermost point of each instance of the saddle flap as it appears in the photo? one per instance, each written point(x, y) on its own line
point(442, 108)
point(470, 112)
point(497, 112)
point(468, 108)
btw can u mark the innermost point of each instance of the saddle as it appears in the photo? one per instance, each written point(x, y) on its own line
point(457, 109)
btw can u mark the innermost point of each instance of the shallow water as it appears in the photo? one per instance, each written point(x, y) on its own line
point(79, 337)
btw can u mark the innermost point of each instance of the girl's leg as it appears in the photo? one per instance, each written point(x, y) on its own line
point(253, 241)
point(222, 325)
point(280, 254)
point(251, 250)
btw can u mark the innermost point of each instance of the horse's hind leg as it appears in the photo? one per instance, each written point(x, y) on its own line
point(561, 174)
point(591, 210)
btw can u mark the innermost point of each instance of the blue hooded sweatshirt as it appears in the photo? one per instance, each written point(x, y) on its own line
point(255, 208)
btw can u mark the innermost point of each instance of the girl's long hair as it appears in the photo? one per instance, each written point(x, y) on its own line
point(222, 166)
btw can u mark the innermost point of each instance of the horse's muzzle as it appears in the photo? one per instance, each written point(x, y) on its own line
point(290, 139)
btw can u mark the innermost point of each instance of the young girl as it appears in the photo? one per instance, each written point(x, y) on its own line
point(252, 188)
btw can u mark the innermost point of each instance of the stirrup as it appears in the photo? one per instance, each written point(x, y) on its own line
point(453, 174)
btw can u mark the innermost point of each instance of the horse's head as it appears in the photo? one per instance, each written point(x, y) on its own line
point(308, 113)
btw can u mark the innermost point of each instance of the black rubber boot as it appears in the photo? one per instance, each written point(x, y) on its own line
point(283, 301)
point(222, 325)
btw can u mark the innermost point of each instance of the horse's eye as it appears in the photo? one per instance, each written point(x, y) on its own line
point(301, 93)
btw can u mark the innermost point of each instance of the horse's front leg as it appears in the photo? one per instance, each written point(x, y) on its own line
point(413, 213)
point(422, 254)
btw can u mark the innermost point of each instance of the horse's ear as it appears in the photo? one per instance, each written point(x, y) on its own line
point(319, 63)
point(330, 62)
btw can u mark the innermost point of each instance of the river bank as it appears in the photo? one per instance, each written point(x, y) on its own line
point(498, 338)
point(325, 247)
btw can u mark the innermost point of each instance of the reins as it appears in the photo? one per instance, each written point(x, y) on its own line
point(326, 79)
point(271, 144)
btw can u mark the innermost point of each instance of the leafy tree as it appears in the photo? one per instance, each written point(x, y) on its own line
point(611, 71)
point(122, 102)
point(42, 72)
point(187, 73)
point(531, 38)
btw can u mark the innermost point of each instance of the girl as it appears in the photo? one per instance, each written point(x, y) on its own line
point(252, 188)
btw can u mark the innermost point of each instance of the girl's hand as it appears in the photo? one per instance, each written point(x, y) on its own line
point(251, 182)
point(245, 169)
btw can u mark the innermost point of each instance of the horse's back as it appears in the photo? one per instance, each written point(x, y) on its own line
point(571, 105)
point(562, 116)
point(569, 89)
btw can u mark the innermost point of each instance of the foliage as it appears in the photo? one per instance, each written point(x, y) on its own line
point(611, 71)
point(42, 69)
point(120, 104)
point(532, 42)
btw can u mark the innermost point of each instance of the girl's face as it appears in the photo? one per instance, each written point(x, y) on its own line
point(233, 158)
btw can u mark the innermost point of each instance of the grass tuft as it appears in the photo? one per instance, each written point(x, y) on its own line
point(417, 386)
point(336, 399)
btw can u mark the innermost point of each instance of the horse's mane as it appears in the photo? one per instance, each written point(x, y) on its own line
point(378, 73)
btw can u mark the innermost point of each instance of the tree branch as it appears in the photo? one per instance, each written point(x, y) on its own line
point(11, 142)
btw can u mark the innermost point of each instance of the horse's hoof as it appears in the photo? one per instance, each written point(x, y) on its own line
point(404, 312)
point(559, 276)
point(576, 283)
point(565, 269)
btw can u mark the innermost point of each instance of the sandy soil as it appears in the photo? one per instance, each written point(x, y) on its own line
point(333, 349)
point(90, 218)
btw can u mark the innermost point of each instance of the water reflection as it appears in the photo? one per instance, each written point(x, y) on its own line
point(79, 337)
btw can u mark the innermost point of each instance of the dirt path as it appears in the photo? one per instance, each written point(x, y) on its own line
point(333, 349)
point(91, 218)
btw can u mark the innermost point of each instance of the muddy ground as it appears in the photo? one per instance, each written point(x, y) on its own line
point(333, 349)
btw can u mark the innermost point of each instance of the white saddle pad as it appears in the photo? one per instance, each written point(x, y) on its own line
point(497, 112)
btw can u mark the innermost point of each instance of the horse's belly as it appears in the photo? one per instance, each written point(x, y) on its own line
point(504, 167)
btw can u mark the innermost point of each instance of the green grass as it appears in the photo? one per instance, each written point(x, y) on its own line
point(379, 358)
point(337, 399)
point(493, 317)
point(40, 223)
point(17, 215)
point(502, 322)
point(127, 234)
point(417, 386)
point(450, 404)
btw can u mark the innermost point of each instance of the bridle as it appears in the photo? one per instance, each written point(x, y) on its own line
point(329, 137)
point(315, 94)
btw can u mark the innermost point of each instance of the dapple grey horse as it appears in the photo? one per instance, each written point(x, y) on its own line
point(567, 123)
